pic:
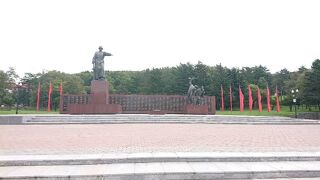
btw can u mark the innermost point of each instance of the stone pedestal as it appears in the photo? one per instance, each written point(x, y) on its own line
point(95, 108)
point(99, 92)
point(196, 109)
point(98, 101)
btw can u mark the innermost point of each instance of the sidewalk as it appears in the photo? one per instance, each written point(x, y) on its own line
point(175, 165)
point(130, 138)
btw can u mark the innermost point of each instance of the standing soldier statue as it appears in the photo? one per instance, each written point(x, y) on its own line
point(98, 64)
point(191, 91)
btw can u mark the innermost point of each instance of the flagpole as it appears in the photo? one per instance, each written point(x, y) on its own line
point(222, 99)
point(277, 100)
point(241, 98)
point(230, 98)
point(61, 97)
point(38, 97)
point(259, 100)
point(49, 97)
point(250, 98)
point(268, 99)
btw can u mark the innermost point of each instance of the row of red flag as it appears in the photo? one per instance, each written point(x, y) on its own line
point(49, 96)
point(241, 99)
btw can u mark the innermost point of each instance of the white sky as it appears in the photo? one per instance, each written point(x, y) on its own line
point(63, 35)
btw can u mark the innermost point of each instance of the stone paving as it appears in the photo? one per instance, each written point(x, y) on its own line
point(129, 138)
point(164, 170)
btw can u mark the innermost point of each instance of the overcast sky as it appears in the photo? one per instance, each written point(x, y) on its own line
point(63, 35)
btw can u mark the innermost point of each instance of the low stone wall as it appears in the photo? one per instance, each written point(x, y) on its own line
point(162, 104)
point(309, 115)
point(10, 119)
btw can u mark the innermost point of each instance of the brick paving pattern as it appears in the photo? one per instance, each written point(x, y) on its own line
point(128, 138)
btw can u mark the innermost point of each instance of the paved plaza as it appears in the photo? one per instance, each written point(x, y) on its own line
point(134, 138)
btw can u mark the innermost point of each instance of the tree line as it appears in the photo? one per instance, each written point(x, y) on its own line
point(169, 81)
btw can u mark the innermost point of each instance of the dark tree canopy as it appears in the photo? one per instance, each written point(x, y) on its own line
point(172, 80)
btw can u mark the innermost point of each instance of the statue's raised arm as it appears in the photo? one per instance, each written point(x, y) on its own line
point(107, 54)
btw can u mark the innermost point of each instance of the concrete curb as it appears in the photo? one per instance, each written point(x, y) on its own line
point(145, 118)
point(90, 159)
point(168, 170)
point(163, 165)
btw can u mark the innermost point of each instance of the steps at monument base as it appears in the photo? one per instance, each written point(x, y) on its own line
point(165, 166)
point(180, 170)
point(144, 118)
point(89, 159)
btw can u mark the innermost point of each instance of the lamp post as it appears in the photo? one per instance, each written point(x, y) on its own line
point(17, 97)
point(294, 100)
point(18, 87)
point(17, 102)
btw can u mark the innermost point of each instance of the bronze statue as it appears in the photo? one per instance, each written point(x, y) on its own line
point(195, 93)
point(191, 90)
point(199, 94)
point(98, 64)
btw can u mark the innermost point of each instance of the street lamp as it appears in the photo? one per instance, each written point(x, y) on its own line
point(18, 87)
point(294, 100)
point(17, 98)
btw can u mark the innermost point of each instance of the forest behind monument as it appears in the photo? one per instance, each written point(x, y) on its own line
point(170, 81)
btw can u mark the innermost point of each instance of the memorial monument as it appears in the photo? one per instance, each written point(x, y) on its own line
point(99, 101)
point(195, 99)
point(98, 64)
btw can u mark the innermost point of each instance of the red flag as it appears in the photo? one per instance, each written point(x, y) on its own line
point(268, 99)
point(60, 89)
point(38, 97)
point(277, 100)
point(259, 100)
point(250, 98)
point(230, 94)
point(222, 100)
point(241, 100)
point(49, 97)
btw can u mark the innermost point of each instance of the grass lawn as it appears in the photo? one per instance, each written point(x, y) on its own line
point(246, 112)
point(13, 111)
point(285, 111)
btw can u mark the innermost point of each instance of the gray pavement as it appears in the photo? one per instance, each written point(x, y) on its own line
point(200, 149)
point(133, 138)
point(159, 165)
point(169, 170)
point(90, 159)
point(146, 118)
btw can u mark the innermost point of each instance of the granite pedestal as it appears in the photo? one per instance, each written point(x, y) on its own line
point(98, 101)
point(196, 109)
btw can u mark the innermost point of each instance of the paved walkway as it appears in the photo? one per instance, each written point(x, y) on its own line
point(129, 138)
point(167, 170)
point(187, 165)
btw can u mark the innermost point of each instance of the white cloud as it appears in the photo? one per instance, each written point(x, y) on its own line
point(63, 35)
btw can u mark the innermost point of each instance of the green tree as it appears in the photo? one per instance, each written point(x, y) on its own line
point(72, 84)
point(121, 82)
point(7, 87)
point(279, 79)
point(181, 74)
point(86, 77)
point(310, 88)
